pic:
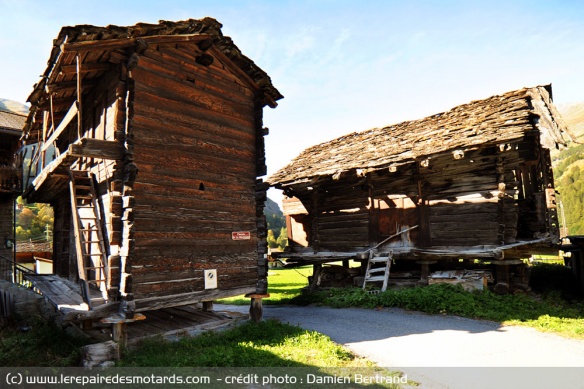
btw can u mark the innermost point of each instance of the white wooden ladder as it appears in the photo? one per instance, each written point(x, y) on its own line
point(89, 242)
point(378, 268)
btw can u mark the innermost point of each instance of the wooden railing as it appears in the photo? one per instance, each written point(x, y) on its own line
point(14, 272)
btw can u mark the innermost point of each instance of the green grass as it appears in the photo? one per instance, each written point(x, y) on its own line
point(283, 286)
point(265, 344)
point(38, 344)
point(268, 343)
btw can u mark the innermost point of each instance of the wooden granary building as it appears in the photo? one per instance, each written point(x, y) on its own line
point(471, 183)
point(11, 124)
point(149, 142)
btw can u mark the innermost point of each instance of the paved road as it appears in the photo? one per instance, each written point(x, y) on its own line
point(446, 351)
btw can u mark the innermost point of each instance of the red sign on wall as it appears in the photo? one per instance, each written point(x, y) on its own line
point(240, 235)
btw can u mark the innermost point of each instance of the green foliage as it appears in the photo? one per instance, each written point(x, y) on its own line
point(282, 240)
point(568, 157)
point(275, 220)
point(272, 243)
point(552, 314)
point(32, 220)
point(42, 344)
point(571, 188)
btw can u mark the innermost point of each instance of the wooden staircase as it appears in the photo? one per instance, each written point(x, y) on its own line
point(89, 242)
point(378, 268)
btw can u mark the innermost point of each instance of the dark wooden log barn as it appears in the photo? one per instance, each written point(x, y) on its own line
point(157, 136)
point(473, 183)
point(11, 124)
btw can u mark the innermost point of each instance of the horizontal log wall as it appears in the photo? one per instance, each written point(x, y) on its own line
point(194, 146)
point(343, 216)
point(489, 196)
point(463, 199)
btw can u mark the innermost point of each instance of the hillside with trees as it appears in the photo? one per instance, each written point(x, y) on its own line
point(34, 222)
point(569, 171)
point(277, 234)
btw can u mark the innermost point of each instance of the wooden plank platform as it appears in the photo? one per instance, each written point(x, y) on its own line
point(170, 323)
point(64, 294)
point(176, 322)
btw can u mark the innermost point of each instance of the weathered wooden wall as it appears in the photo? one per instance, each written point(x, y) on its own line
point(488, 196)
point(6, 219)
point(194, 144)
point(298, 223)
point(463, 200)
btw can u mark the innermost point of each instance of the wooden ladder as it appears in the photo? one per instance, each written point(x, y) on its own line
point(89, 242)
point(378, 268)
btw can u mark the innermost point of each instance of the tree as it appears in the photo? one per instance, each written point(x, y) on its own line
point(274, 217)
point(282, 240)
point(33, 220)
point(272, 243)
point(25, 218)
point(571, 188)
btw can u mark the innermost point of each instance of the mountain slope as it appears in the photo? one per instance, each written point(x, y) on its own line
point(569, 171)
point(573, 115)
point(13, 106)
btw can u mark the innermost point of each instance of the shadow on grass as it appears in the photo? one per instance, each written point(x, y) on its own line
point(33, 343)
point(269, 350)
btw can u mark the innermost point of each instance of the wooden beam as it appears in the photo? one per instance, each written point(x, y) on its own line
point(95, 148)
point(111, 44)
point(71, 114)
point(57, 87)
point(79, 94)
point(87, 67)
point(58, 104)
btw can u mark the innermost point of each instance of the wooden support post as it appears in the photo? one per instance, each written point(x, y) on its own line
point(208, 306)
point(256, 310)
point(120, 333)
point(79, 93)
point(425, 271)
point(119, 327)
point(503, 285)
point(317, 269)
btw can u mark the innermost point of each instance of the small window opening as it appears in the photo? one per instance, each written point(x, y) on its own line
point(201, 186)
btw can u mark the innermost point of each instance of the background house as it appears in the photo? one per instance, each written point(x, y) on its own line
point(473, 182)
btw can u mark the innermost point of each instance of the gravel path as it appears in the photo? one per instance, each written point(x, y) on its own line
point(446, 351)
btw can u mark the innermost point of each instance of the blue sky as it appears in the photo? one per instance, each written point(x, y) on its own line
point(343, 66)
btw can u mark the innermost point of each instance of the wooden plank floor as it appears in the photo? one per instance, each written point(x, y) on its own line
point(61, 292)
point(173, 323)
